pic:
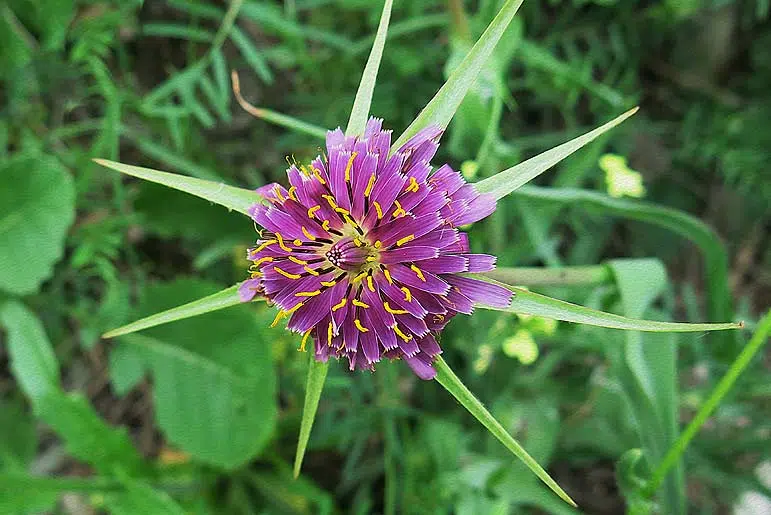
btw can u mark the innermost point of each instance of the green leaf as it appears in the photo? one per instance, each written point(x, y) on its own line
point(139, 497)
point(37, 206)
point(317, 375)
point(441, 108)
point(363, 100)
point(213, 376)
point(87, 436)
point(503, 183)
point(530, 303)
point(33, 361)
point(233, 198)
point(21, 493)
point(220, 300)
point(19, 441)
point(447, 378)
point(716, 261)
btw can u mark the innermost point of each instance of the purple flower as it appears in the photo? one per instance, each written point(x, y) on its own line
point(363, 252)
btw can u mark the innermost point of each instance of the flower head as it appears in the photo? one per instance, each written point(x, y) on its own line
point(363, 253)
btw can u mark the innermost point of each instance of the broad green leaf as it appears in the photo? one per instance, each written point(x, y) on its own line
point(363, 100)
point(742, 361)
point(273, 117)
point(87, 436)
point(646, 370)
point(214, 383)
point(447, 378)
point(557, 276)
point(317, 374)
point(21, 493)
point(716, 262)
point(33, 361)
point(503, 183)
point(220, 300)
point(530, 303)
point(441, 108)
point(139, 497)
point(19, 441)
point(233, 198)
point(37, 206)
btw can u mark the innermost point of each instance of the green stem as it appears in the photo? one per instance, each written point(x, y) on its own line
point(559, 276)
point(227, 25)
point(726, 383)
point(447, 378)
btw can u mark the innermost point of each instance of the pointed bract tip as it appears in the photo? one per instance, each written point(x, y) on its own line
point(100, 161)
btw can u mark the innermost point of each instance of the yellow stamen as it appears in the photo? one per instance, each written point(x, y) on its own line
point(371, 259)
point(405, 337)
point(405, 240)
point(312, 210)
point(378, 244)
point(399, 211)
point(317, 174)
point(350, 221)
point(418, 272)
point(297, 243)
point(298, 261)
point(279, 316)
point(263, 245)
point(359, 277)
point(360, 327)
point(342, 211)
point(303, 169)
point(286, 274)
point(311, 271)
point(325, 225)
point(348, 167)
point(407, 294)
point(291, 193)
point(357, 242)
point(266, 259)
point(307, 234)
point(305, 339)
point(370, 184)
point(387, 275)
point(340, 304)
point(357, 302)
point(282, 244)
point(331, 200)
point(394, 311)
point(329, 334)
point(308, 293)
point(328, 284)
point(277, 190)
point(379, 211)
point(295, 308)
point(413, 186)
point(370, 284)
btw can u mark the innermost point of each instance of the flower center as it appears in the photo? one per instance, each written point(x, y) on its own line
point(351, 254)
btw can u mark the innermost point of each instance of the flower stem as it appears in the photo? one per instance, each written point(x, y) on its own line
point(726, 383)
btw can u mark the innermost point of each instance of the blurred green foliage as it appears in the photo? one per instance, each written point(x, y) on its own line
point(201, 416)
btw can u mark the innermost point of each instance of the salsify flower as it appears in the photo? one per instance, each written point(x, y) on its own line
point(363, 253)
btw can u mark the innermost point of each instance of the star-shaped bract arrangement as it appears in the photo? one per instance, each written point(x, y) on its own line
point(362, 252)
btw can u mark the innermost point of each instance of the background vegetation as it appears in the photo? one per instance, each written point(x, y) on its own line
point(203, 415)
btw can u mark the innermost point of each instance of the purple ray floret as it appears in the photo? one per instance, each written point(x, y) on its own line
point(363, 254)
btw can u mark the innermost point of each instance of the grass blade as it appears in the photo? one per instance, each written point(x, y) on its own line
point(503, 183)
point(237, 199)
point(723, 387)
point(273, 117)
point(317, 375)
point(220, 300)
point(363, 100)
point(441, 108)
point(447, 378)
point(531, 303)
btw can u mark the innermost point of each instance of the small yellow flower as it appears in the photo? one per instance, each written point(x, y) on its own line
point(622, 181)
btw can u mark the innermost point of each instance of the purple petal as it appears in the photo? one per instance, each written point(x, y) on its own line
point(480, 262)
point(248, 289)
point(482, 292)
point(407, 253)
point(421, 364)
